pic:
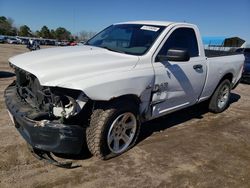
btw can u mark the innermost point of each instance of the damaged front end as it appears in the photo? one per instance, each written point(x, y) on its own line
point(49, 118)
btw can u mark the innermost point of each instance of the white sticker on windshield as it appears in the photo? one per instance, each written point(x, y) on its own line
point(150, 28)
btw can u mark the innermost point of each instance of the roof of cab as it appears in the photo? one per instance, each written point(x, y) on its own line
point(159, 23)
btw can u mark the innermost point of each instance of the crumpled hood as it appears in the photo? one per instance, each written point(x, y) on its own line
point(58, 66)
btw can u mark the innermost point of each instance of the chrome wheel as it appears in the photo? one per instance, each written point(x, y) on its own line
point(121, 133)
point(223, 96)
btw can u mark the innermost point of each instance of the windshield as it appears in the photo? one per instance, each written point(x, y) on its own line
point(131, 39)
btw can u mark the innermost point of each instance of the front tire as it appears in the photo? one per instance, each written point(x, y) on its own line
point(113, 129)
point(220, 99)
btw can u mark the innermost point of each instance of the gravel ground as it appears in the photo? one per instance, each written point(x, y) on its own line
point(189, 148)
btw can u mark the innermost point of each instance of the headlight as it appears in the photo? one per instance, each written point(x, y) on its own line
point(67, 102)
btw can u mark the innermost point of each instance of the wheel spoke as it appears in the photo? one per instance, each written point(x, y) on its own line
point(125, 118)
point(225, 93)
point(125, 137)
point(223, 97)
point(118, 122)
point(116, 144)
point(129, 125)
point(111, 138)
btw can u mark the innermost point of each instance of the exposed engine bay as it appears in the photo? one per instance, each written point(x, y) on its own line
point(48, 102)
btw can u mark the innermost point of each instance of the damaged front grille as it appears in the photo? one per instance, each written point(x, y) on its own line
point(30, 90)
point(50, 103)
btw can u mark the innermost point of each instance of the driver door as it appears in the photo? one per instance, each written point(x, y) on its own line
point(178, 84)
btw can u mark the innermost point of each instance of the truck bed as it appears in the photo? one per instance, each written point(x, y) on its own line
point(219, 53)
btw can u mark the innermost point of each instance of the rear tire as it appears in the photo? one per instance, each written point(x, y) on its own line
point(114, 128)
point(220, 99)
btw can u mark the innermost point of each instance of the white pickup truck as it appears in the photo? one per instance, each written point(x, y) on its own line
point(101, 92)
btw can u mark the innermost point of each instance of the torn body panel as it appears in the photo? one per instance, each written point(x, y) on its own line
point(56, 102)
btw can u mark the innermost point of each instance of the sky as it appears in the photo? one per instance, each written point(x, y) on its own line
point(214, 17)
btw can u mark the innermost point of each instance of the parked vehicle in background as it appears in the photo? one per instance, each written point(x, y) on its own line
point(2, 39)
point(246, 71)
point(12, 40)
point(63, 43)
point(33, 45)
point(127, 74)
point(81, 43)
point(19, 41)
point(49, 42)
point(25, 41)
point(73, 43)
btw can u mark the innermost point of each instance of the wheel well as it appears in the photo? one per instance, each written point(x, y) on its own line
point(134, 99)
point(130, 97)
point(228, 76)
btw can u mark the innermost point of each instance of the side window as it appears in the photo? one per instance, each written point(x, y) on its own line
point(182, 38)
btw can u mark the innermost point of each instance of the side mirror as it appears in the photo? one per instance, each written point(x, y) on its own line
point(175, 55)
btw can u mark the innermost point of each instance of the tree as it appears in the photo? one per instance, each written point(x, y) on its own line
point(14, 31)
point(52, 34)
point(62, 33)
point(84, 35)
point(6, 26)
point(25, 31)
point(45, 32)
point(37, 34)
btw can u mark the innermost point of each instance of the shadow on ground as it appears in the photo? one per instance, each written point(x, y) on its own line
point(4, 74)
point(176, 118)
point(84, 154)
point(245, 82)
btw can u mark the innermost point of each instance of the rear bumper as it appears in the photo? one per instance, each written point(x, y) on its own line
point(46, 135)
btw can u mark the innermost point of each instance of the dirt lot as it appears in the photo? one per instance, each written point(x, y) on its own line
point(190, 148)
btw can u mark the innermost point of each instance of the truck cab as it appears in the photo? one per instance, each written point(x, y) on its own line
point(183, 78)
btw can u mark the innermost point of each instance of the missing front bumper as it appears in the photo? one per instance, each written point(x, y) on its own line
point(48, 135)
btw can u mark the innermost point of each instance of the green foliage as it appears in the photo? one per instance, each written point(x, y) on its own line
point(6, 26)
point(52, 34)
point(45, 32)
point(62, 33)
point(37, 34)
point(25, 31)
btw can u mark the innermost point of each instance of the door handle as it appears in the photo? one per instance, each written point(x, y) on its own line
point(199, 66)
